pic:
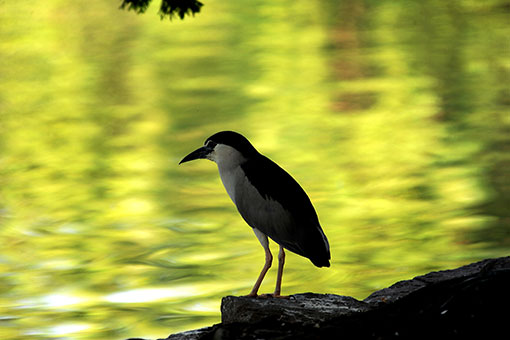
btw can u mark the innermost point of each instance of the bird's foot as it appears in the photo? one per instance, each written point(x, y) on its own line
point(268, 296)
point(265, 296)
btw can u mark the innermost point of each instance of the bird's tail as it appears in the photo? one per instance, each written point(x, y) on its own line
point(312, 243)
point(316, 248)
point(320, 257)
point(321, 262)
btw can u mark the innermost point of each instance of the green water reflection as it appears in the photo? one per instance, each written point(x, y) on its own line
point(394, 116)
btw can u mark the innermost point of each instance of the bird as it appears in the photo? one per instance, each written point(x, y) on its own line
point(269, 199)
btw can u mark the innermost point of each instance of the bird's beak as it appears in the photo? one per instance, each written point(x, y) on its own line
point(197, 154)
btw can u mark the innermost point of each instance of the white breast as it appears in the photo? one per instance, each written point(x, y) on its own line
point(231, 178)
point(229, 162)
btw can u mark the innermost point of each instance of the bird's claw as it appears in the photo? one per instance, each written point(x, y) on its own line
point(268, 296)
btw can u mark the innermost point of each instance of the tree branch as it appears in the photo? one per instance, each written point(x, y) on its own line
point(168, 8)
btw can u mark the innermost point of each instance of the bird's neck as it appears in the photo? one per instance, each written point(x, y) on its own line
point(231, 175)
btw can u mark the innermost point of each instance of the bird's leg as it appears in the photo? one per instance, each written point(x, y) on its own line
point(269, 260)
point(267, 265)
point(281, 262)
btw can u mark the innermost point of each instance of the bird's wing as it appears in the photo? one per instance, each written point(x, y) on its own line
point(277, 205)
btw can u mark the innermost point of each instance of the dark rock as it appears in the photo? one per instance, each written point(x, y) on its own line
point(307, 308)
point(404, 288)
point(195, 334)
point(467, 302)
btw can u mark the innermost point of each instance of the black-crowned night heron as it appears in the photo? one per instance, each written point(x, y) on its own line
point(268, 199)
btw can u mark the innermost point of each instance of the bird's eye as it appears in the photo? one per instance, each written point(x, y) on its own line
point(210, 144)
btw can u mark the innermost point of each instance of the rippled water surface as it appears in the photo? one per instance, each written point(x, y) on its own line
point(394, 117)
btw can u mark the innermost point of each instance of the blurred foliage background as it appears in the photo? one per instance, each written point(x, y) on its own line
point(393, 115)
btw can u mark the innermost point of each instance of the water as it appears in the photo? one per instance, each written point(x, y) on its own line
point(394, 117)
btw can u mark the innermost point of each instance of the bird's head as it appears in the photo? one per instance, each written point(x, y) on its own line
point(224, 147)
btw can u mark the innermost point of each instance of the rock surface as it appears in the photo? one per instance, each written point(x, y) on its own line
point(464, 303)
point(306, 309)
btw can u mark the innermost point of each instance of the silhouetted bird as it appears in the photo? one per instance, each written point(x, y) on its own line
point(268, 199)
